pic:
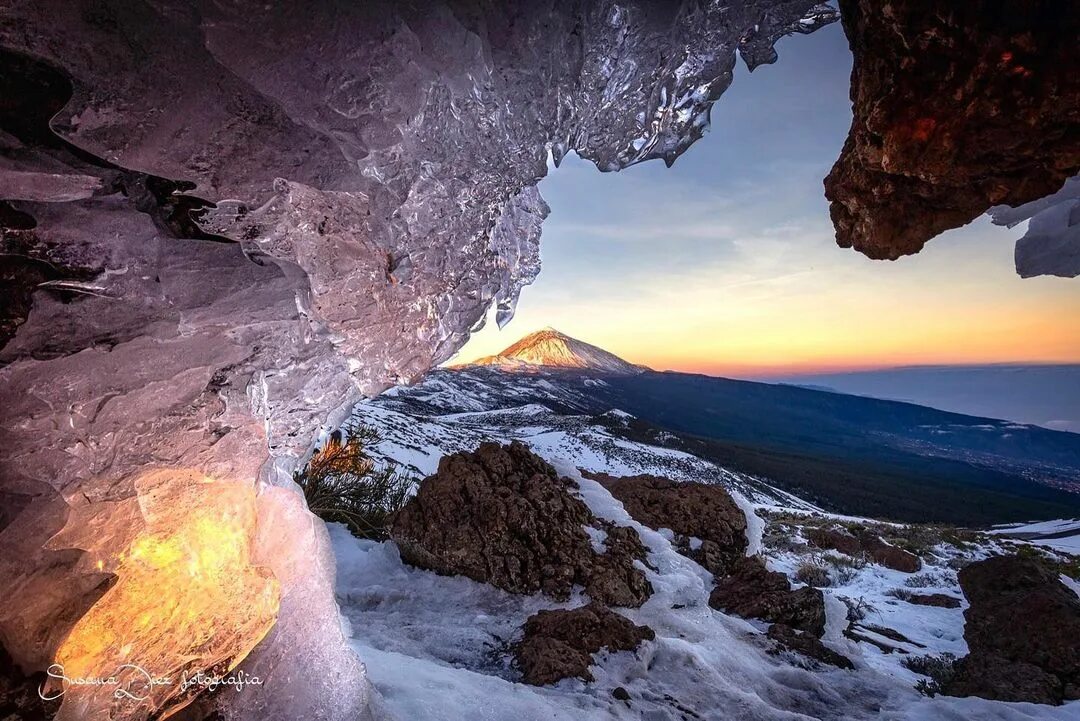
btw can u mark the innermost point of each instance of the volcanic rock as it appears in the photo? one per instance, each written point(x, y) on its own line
point(692, 510)
point(865, 543)
point(957, 107)
point(502, 515)
point(559, 644)
point(1022, 629)
point(753, 591)
point(808, 645)
point(940, 600)
point(997, 678)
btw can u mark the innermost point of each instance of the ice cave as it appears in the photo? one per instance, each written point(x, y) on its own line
point(226, 222)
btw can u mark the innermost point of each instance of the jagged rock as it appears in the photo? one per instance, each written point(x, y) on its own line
point(560, 644)
point(502, 515)
point(1021, 629)
point(692, 510)
point(808, 645)
point(868, 544)
point(753, 591)
point(957, 107)
point(940, 600)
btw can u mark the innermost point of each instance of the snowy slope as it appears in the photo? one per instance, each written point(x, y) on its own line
point(1061, 535)
point(437, 647)
point(456, 410)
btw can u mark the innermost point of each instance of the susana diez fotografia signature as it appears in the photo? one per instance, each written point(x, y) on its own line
point(133, 682)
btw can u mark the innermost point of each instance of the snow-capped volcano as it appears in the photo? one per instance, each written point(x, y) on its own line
point(552, 349)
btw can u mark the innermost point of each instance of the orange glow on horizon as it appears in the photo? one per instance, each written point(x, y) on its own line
point(803, 327)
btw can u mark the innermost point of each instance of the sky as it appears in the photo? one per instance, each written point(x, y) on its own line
point(726, 263)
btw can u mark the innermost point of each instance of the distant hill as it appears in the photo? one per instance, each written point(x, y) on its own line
point(1045, 395)
point(862, 455)
point(847, 452)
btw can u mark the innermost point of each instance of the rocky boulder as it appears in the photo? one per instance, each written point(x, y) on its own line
point(701, 511)
point(940, 600)
point(753, 591)
point(1022, 629)
point(957, 107)
point(560, 644)
point(502, 515)
point(865, 543)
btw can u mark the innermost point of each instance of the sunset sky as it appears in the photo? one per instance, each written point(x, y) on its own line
point(726, 263)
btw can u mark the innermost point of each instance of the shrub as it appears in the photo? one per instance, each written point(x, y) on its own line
point(1064, 564)
point(844, 568)
point(940, 671)
point(926, 580)
point(902, 593)
point(813, 573)
point(857, 608)
point(342, 484)
point(782, 537)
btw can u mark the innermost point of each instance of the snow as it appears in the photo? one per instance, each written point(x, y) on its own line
point(1042, 527)
point(439, 647)
point(1062, 535)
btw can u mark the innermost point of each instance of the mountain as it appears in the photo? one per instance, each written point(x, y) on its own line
point(787, 456)
point(549, 348)
point(844, 453)
point(1044, 394)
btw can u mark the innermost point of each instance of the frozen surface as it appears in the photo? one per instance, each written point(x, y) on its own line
point(440, 646)
point(1051, 245)
point(247, 215)
point(1059, 535)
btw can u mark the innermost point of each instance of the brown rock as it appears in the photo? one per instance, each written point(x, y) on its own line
point(885, 554)
point(560, 644)
point(753, 591)
point(503, 516)
point(808, 645)
point(999, 679)
point(1022, 629)
point(836, 539)
point(941, 600)
point(867, 544)
point(957, 107)
point(692, 510)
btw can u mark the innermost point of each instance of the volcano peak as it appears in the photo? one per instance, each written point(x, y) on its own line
point(550, 348)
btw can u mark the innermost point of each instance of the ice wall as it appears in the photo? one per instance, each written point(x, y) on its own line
point(225, 221)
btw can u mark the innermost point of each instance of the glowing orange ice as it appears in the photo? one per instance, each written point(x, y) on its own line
point(187, 599)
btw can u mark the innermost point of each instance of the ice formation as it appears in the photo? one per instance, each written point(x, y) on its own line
point(226, 221)
point(1051, 245)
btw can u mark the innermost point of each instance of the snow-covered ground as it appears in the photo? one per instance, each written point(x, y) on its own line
point(1061, 535)
point(438, 647)
point(457, 410)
